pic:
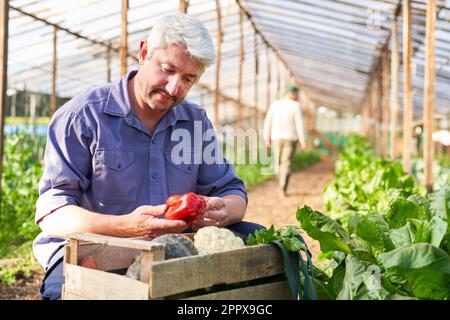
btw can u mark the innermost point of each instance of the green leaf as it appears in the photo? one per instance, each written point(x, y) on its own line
point(432, 232)
point(403, 236)
point(329, 233)
point(440, 206)
point(402, 209)
point(296, 245)
point(419, 200)
point(251, 240)
point(362, 250)
point(417, 256)
point(374, 230)
point(362, 281)
point(261, 236)
point(337, 279)
point(440, 203)
point(426, 283)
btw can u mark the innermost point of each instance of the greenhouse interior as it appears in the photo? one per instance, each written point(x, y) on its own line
point(350, 182)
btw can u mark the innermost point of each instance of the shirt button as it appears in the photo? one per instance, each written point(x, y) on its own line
point(153, 176)
point(153, 142)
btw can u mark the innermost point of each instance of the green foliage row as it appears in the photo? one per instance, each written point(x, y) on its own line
point(364, 183)
point(22, 170)
point(27, 120)
point(252, 175)
point(402, 253)
point(385, 239)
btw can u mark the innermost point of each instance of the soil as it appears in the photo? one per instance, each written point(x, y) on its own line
point(26, 287)
point(266, 206)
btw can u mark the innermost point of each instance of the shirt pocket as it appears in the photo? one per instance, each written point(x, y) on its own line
point(116, 177)
point(181, 176)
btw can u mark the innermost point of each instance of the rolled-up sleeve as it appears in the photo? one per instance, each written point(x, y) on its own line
point(219, 177)
point(67, 163)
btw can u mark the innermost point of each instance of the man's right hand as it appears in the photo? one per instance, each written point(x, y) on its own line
point(144, 222)
point(302, 147)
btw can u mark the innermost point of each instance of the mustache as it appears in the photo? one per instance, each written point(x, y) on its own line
point(174, 98)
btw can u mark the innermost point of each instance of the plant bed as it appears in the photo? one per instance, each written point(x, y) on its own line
point(254, 272)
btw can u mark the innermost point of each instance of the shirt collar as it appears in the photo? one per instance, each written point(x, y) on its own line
point(118, 102)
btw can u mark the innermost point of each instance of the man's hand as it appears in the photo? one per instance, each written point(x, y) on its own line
point(215, 214)
point(144, 222)
point(302, 146)
point(269, 143)
point(141, 222)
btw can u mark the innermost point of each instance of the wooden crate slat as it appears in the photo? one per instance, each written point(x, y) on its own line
point(132, 243)
point(190, 273)
point(108, 257)
point(73, 296)
point(147, 259)
point(73, 245)
point(95, 284)
point(269, 291)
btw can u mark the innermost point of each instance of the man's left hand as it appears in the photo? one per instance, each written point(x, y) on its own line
point(215, 214)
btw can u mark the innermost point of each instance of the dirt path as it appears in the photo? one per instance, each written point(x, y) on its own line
point(267, 207)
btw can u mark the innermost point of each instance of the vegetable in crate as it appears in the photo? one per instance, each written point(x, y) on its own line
point(187, 207)
point(212, 239)
point(299, 273)
point(88, 262)
point(176, 246)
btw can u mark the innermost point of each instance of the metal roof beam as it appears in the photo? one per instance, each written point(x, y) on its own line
point(102, 43)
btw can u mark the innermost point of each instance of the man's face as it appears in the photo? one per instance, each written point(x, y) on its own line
point(166, 78)
point(293, 95)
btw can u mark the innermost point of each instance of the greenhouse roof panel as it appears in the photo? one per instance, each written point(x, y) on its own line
point(330, 46)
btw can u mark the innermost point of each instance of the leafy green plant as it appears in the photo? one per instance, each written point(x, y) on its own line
point(22, 170)
point(402, 253)
point(364, 183)
point(300, 274)
point(384, 237)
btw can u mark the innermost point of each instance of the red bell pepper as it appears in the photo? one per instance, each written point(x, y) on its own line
point(185, 207)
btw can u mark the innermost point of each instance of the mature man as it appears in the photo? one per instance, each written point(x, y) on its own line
point(283, 127)
point(110, 162)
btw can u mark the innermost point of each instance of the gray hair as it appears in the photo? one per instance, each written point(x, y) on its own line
point(182, 29)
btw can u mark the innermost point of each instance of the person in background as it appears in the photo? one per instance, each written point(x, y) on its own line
point(283, 128)
point(110, 159)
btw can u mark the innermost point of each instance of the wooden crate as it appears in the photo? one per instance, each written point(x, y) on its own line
point(174, 278)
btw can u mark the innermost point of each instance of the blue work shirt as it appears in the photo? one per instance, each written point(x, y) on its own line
point(101, 157)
